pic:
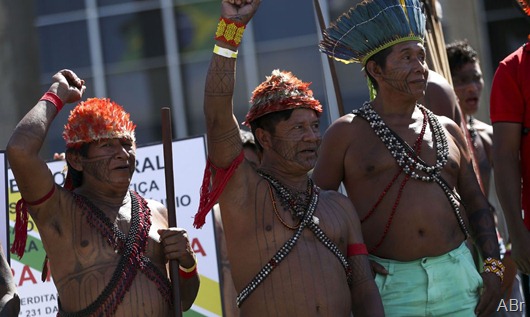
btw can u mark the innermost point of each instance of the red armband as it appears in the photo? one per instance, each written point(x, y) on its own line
point(209, 196)
point(188, 273)
point(21, 222)
point(54, 99)
point(357, 249)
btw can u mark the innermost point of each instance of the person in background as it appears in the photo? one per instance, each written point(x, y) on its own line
point(408, 172)
point(108, 247)
point(510, 118)
point(468, 83)
point(9, 300)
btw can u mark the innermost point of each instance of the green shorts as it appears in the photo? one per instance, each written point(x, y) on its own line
point(445, 285)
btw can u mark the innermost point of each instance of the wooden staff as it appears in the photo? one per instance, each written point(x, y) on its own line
point(332, 69)
point(167, 142)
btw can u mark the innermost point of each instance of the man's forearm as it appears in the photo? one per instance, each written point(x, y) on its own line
point(484, 234)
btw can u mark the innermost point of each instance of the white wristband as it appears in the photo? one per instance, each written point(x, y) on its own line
point(224, 52)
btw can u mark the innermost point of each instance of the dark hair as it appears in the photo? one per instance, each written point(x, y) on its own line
point(268, 123)
point(380, 60)
point(77, 176)
point(460, 53)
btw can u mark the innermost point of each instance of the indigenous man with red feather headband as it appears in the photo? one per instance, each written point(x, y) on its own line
point(408, 172)
point(294, 249)
point(108, 247)
point(510, 117)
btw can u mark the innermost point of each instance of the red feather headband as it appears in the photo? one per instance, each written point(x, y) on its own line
point(281, 91)
point(96, 119)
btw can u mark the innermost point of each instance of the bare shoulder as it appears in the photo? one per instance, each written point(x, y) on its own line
point(339, 201)
point(159, 212)
point(342, 127)
point(440, 97)
point(449, 124)
point(485, 131)
point(439, 85)
point(156, 206)
point(482, 126)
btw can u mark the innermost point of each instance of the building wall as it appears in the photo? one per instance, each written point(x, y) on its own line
point(150, 54)
point(494, 28)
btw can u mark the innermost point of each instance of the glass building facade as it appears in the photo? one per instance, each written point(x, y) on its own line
point(150, 54)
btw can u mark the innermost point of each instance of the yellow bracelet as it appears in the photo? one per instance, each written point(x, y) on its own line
point(494, 266)
point(229, 31)
point(221, 51)
point(193, 267)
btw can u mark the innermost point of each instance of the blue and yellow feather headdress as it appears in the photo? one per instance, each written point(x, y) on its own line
point(370, 27)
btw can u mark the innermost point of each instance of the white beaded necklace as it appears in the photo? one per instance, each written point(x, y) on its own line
point(406, 157)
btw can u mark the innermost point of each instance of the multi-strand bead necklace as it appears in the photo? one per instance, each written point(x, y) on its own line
point(304, 213)
point(131, 247)
point(409, 161)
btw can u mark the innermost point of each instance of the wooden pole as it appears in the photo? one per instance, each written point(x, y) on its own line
point(335, 80)
point(167, 143)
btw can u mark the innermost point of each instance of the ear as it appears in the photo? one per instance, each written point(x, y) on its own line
point(74, 159)
point(264, 138)
point(373, 69)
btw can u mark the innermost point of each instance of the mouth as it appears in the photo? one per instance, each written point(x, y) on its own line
point(418, 82)
point(122, 167)
point(308, 151)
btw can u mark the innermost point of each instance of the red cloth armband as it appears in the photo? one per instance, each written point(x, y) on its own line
point(21, 222)
point(209, 196)
point(54, 99)
point(357, 249)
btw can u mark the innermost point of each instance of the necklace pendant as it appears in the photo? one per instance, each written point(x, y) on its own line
point(316, 221)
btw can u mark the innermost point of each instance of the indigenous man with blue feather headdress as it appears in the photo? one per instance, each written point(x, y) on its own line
point(408, 172)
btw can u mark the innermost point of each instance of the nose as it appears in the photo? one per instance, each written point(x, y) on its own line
point(421, 66)
point(473, 87)
point(312, 134)
point(120, 152)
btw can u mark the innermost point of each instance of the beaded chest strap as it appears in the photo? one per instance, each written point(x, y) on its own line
point(409, 161)
point(306, 220)
point(131, 247)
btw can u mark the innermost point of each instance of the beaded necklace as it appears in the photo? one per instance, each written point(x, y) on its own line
point(294, 202)
point(409, 161)
point(417, 149)
point(131, 247)
point(306, 220)
point(472, 131)
point(278, 214)
point(404, 155)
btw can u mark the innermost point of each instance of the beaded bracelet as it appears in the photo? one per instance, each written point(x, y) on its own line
point(495, 266)
point(224, 52)
point(229, 31)
point(54, 99)
point(187, 273)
